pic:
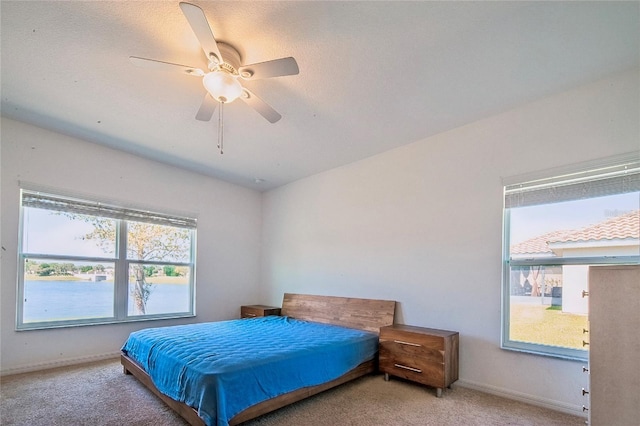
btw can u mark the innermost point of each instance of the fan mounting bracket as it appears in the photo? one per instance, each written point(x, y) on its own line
point(230, 58)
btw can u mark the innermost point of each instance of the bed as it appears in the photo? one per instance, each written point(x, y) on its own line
point(350, 324)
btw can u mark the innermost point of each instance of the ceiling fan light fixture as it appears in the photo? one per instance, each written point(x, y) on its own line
point(222, 86)
point(225, 69)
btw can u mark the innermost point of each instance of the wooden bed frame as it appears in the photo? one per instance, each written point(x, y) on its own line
point(363, 314)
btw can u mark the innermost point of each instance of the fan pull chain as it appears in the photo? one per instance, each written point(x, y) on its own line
point(221, 128)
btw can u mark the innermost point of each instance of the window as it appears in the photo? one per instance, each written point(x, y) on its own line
point(84, 262)
point(554, 230)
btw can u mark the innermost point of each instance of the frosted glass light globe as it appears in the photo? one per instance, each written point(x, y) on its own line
point(224, 87)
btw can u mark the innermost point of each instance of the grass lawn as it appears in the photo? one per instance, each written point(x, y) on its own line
point(542, 325)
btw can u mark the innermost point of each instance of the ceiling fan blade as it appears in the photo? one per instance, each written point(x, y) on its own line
point(200, 26)
point(259, 105)
point(207, 108)
point(268, 69)
point(165, 66)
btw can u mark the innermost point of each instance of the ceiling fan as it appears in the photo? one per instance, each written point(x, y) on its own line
point(222, 81)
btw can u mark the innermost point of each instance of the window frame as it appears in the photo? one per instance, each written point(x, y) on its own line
point(587, 172)
point(120, 261)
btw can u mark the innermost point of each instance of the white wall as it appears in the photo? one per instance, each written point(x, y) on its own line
point(422, 224)
point(228, 240)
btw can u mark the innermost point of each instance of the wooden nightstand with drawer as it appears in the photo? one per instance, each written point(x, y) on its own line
point(251, 311)
point(422, 355)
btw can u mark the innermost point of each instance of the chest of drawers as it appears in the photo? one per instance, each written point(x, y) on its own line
point(614, 318)
point(423, 355)
point(251, 311)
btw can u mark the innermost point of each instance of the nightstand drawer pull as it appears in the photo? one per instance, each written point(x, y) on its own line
point(416, 370)
point(402, 342)
point(249, 314)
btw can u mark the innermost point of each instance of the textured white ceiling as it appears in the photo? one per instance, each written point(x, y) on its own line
point(373, 75)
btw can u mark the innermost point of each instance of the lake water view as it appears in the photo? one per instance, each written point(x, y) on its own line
point(66, 300)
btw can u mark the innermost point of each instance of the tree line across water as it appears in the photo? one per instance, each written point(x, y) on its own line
point(48, 269)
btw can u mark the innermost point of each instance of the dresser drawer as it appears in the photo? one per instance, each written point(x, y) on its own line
point(410, 341)
point(418, 363)
point(406, 351)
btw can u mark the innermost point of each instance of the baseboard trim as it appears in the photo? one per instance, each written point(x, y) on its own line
point(58, 363)
point(523, 397)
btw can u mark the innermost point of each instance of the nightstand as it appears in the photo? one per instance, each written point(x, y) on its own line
point(422, 355)
point(250, 311)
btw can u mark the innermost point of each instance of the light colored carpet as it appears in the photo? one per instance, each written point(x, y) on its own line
point(100, 394)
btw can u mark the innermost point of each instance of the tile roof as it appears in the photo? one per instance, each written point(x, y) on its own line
point(539, 244)
point(615, 228)
point(626, 226)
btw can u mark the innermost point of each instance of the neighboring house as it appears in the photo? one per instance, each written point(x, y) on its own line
point(617, 236)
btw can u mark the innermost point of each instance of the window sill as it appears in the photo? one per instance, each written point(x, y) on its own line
point(109, 321)
point(533, 351)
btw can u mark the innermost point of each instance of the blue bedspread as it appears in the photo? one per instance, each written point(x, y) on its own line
point(222, 368)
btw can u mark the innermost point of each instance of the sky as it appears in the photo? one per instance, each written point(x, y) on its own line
point(53, 234)
point(49, 233)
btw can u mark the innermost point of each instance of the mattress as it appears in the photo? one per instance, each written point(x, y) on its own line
point(222, 368)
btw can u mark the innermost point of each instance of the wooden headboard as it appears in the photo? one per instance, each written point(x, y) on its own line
point(363, 314)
